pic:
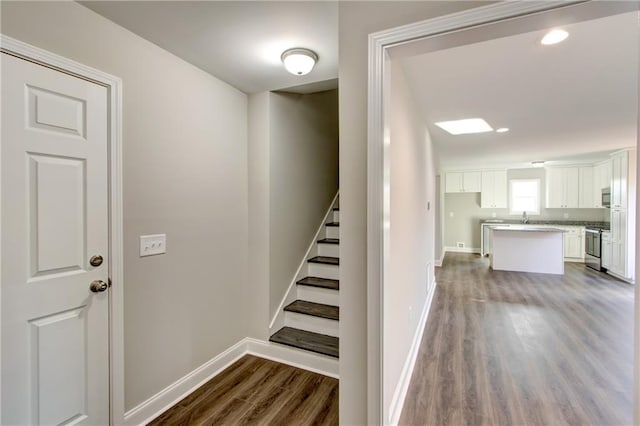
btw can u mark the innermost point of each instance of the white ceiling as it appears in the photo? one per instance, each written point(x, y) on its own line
point(240, 42)
point(573, 101)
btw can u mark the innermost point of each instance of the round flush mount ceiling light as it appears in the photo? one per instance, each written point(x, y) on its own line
point(554, 36)
point(299, 61)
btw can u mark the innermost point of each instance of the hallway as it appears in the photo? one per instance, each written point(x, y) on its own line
point(519, 348)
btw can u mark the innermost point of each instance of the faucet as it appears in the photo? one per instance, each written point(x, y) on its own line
point(525, 219)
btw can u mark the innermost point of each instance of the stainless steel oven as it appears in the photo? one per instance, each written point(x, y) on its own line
point(592, 248)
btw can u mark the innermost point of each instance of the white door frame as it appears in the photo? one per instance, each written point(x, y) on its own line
point(116, 296)
point(378, 200)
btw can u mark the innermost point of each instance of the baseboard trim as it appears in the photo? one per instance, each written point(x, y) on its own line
point(172, 394)
point(462, 250)
point(321, 364)
point(169, 396)
point(400, 393)
point(438, 262)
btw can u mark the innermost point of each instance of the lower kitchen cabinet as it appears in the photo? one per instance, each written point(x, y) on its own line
point(605, 254)
point(574, 244)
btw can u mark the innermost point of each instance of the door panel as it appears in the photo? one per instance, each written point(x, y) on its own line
point(55, 341)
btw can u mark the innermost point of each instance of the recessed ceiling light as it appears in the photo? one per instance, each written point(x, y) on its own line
point(554, 36)
point(502, 130)
point(465, 127)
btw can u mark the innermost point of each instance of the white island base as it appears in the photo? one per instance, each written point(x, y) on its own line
point(528, 250)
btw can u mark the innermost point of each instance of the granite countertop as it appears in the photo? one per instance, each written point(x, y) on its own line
point(605, 226)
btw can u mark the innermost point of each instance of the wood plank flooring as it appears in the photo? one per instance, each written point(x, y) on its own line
point(258, 391)
point(507, 348)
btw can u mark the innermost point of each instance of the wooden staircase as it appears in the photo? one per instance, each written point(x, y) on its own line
point(311, 324)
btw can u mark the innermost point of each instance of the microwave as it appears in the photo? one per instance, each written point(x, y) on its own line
point(606, 197)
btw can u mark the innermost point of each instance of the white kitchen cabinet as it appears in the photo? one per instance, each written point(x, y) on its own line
point(601, 179)
point(605, 252)
point(494, 189)
point(563, 187)
point(618, 263)
point(619, 180)
point(586, 196)
point(574, 243)
point(463, 181)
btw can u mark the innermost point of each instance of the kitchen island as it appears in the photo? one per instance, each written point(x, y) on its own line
point(527, 249)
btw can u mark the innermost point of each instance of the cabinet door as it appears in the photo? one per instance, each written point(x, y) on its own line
point(572, 187)
point(453, 182)
point(471, 181)
point(619, 167)
point(500, 189)
point(487, 194)
point(555, 188)
point(586, 199)
point(606, 250)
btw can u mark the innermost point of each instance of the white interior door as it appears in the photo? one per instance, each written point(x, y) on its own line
point(55, 330)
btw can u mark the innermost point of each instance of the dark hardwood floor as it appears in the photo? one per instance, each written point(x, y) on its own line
point(511, 348)
point(256, 391)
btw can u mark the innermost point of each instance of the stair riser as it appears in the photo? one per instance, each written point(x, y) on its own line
point(311, 323)
point(336, 216)
point(331, 272)
point(331, 250)
point(332, 231)
point(318, 295)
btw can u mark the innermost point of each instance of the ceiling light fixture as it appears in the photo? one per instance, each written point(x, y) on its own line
point(537, 163)
point(554, 36)
point(299, 61)
point(465, 127)
point(502, 130)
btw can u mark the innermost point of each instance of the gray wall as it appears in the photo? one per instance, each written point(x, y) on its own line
point(464, 226)
point(303, 179)
point(356, 21)
point(185, 174)
point(411, 235)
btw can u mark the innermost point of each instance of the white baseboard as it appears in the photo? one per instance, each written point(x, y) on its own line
point(438, 262)
point(400, 393)
point(169, 396)
point(462, 250)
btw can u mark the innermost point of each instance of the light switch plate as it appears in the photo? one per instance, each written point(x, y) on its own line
point(153, 244)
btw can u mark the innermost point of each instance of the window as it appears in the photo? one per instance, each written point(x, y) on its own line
point(524, 195)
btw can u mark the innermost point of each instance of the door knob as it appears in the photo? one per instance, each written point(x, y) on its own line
point(98, 286)
point(96, 260)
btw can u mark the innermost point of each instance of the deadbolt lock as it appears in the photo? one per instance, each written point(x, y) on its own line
point(96, 260)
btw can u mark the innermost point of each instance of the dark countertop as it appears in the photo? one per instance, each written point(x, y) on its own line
point(594, 224)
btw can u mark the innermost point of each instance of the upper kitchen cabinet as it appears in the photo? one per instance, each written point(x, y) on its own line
point(601, 179)
point(563, 187)
point(463, 182)
point(494, 189)
point(619, 180)
point(586, 197)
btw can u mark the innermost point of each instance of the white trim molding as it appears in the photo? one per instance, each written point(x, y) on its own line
point(116, 295)
point(461, 250)
point(148, 410)
point(400, 393)
point(378, 162)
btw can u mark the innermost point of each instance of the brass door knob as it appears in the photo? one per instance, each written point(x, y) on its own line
point(98, 286)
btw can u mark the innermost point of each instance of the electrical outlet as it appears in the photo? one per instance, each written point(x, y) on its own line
point(566, 215)
point(153, 244)
point(450, 214)
point(459, 245)
point(493, 214)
